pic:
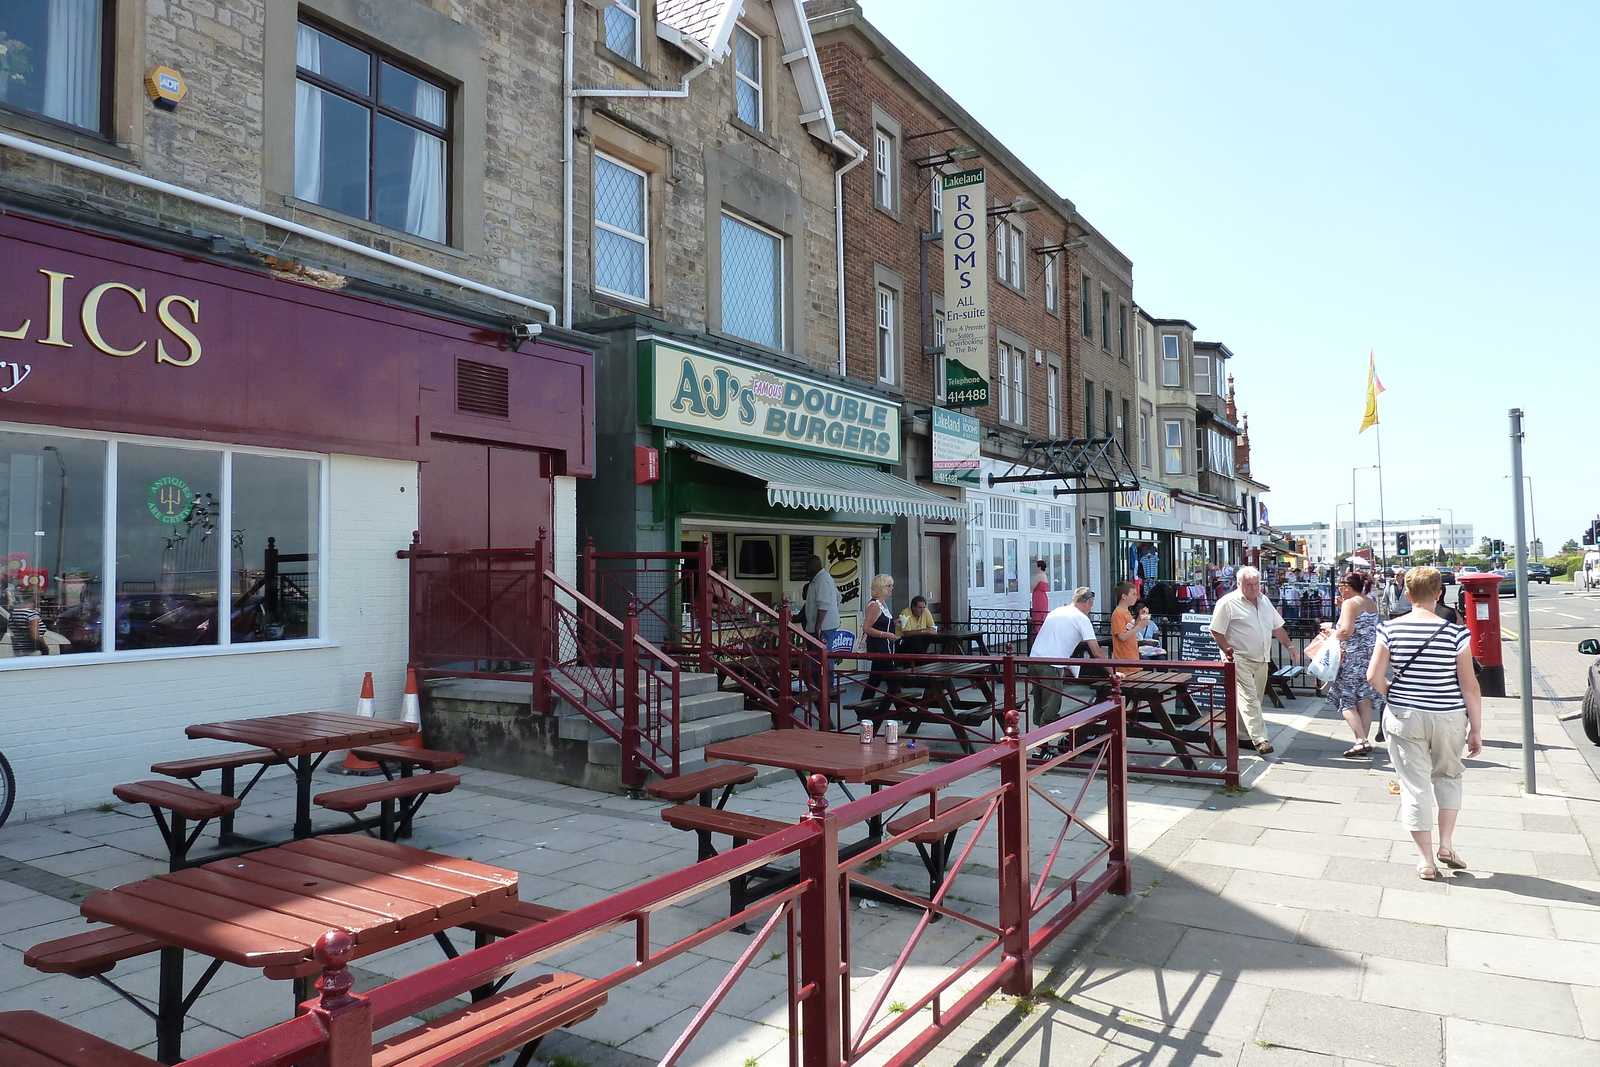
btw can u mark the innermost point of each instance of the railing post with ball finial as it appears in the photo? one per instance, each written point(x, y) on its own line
point(344, 1016)
point(822, 973)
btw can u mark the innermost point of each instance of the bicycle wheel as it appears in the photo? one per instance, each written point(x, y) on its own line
point(8, 788)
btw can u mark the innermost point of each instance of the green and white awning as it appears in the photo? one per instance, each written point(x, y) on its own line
point(798, 481)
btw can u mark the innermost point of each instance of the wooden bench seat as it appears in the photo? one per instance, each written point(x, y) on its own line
point(185, 804)
point(89, 954)
point(408, 758)
point(490, 1028)
point(1278, 683)
point(888, 778)
point(399, 799)
point(29, 1039)
point(742, 828)
point(935, 837)
point(702, 783)
point(228, 763)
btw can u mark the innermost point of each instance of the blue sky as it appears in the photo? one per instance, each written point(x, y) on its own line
point(1306, 182)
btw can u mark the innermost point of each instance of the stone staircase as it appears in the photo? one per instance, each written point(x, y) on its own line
point(491, 722)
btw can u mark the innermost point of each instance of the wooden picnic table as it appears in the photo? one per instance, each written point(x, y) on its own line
point(940, 701)
point(267, 910)
point(841, 757)
point(959, 642)
point(305, 739)
point(1146, 693)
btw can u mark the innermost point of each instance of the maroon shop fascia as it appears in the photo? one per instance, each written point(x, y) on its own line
point(104, 334)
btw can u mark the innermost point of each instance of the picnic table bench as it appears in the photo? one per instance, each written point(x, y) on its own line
point(940, 685)
point(183, 805)
point(397, 798)
point(1278, 682)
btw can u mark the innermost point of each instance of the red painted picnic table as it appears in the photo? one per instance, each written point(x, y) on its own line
point(267, 909)
point(305, 739)
point(842, 757)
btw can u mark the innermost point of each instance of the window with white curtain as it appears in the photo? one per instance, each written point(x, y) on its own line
point(1171, 364)
point(1172, 447)
point(371, 138)
point(55, 60)
point(752, 282)
point(747, 77)
point(621, 229)
point(622, 28)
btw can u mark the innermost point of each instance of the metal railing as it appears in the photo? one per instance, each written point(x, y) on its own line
point(1056, 851)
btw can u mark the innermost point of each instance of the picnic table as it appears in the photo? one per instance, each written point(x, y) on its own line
point(304, 740)
point(940, 683)
point(266, 910)
point(1162, 708)
point(956, 642)
point(841, 757)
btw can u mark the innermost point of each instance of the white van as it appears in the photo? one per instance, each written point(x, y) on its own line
point(1589, 576)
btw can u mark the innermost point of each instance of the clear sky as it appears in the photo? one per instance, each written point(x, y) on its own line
point(1305, 182)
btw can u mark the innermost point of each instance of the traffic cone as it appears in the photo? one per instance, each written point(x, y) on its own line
point(351, 764)
point(411, 711)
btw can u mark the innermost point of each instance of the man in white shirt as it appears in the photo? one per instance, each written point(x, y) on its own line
point(1062, 633)
point(1243, 626)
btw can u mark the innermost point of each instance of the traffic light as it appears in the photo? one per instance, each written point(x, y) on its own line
point(1498, 547)
point(1402, 544)
point(1591, 536)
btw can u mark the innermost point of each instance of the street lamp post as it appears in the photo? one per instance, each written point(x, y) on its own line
point(1533, 509)
point(1355, 530)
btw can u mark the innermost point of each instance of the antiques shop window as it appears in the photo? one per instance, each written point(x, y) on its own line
point(55, 60)
point(752, 282)
point(371, 138)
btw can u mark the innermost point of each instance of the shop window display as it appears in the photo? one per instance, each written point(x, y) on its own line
point(52, 531)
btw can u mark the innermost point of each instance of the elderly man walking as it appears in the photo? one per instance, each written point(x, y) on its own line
point(1243, 626)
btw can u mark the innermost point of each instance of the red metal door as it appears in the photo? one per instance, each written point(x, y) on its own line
point(455, 494)
point(521, 497)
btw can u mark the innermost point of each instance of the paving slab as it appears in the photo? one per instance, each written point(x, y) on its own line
point(1543, 959)
point(1451, 991)
point(1478, 1044)
point(1365, 935)
point(1335, 1026)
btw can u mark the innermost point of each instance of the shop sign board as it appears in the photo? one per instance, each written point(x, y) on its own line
point(955, 448)
point(1150, 509)
point(1195, 644)
point(730, 397)
point(966, 288)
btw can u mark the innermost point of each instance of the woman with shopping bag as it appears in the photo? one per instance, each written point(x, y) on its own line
point(1351, 694)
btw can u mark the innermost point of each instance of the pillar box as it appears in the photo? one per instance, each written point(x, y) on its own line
point(1480, 611)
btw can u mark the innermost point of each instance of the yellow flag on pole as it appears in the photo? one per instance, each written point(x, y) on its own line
point(1374, 387)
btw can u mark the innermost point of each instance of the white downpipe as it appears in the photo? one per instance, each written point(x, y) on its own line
point(106, 170)
point(857, 154)
point(570, 93)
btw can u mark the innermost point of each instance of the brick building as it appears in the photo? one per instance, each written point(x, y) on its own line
point(1039, 246)
point(261, 329)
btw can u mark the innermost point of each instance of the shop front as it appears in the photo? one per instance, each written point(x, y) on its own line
point(1208, 547)
point(205, 473)
point(1013, 528)
point(768, 460)
point(1147, 524)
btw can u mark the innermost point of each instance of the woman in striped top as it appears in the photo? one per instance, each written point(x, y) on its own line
point(1433, 709)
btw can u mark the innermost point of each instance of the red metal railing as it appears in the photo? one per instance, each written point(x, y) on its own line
point(700, 617)
point(1034, 904)
point(504, 614)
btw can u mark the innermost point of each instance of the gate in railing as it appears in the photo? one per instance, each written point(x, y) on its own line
point(504, 614)
point(1050, 847)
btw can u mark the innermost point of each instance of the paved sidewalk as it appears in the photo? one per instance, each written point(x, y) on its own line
point(1287, 927)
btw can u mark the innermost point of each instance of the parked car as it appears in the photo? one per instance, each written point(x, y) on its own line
point(1538, 572)
point(1470, 570)
point(1591, 695)
point(1508, 581)
point(1447, 576)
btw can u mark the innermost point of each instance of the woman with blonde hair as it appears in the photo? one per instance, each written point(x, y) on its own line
point(877, 626)
point(1433, 710)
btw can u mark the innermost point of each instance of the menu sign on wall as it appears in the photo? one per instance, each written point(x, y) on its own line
point(734, 398)
point(966, 288)
point(955, 448)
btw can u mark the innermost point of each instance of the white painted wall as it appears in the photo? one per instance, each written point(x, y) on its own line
point(74, 731)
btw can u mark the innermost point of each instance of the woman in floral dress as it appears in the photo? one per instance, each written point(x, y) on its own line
point(1357, 632)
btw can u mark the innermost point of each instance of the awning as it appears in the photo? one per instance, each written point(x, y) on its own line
point(796, 481)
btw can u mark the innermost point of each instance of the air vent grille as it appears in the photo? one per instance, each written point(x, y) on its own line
point(483, 388)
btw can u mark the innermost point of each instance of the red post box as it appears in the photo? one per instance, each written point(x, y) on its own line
point(1480, 612)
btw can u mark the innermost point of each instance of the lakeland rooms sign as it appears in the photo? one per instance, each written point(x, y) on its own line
point(733, 398)
point(966, 288)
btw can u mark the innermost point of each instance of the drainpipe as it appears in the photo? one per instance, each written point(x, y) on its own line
point(845, 143)
point(106, 170)
point(569, 94)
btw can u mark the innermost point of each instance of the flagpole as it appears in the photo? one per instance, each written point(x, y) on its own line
point(1383, 523)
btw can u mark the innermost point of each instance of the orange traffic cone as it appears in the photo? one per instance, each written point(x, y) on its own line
point(411, 711)
point(351, 764)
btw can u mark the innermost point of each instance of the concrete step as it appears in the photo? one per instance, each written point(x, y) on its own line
point(608, 753)
point(576, 726)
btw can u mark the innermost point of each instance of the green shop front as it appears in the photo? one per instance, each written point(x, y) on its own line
point(768, 459)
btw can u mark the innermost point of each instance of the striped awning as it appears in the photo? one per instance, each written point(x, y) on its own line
point(796, 481)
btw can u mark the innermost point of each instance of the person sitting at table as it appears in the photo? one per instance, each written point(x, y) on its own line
point(1150, 644)
point(913, 626)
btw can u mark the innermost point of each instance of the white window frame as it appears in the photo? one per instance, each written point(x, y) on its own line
point(1052, 390)
point(940, 393)
point(1003, 358)
point(640, 239)
point(1171, 449)
point(1144, 353)
point(1052, 296)
point(224, 534)
point(1086, 286)
point(936, 204)
point(629, 8)
point(1008, 242)
point(760, 122)
point(886, 334)
point(1145, 419)
point(1171, 362)
point(1013, 380)
point(783, 277)
point(883, 158)
point(1202, 378)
